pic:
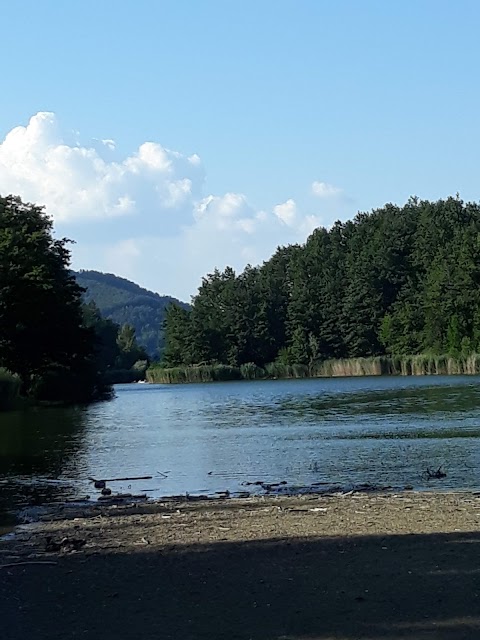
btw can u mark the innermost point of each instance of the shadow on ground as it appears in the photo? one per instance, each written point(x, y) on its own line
point(416, 586)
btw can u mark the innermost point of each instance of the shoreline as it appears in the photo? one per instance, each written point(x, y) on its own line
point(391, 511)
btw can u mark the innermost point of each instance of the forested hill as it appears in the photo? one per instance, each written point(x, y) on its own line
point(398, 280)
point(125, 302)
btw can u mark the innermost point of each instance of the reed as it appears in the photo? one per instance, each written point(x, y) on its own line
point(280, 370)
point(251, 371)
point(200, 373)
point(415, 365)
point(349, 367)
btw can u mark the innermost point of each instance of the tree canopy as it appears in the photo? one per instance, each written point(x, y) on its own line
point(399, 280)
point(42, 336)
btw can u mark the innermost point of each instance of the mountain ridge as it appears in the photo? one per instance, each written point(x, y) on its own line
point(126, 302)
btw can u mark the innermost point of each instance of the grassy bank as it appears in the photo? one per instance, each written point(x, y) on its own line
point(9, 390)
point(419, 365)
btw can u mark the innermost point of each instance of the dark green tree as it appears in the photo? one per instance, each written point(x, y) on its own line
point(42, 337)
point(129, 350)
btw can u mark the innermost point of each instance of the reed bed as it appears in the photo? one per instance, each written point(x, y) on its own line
point(200, 373)
point(417, 365)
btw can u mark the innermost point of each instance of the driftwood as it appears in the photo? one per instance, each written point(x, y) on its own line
point(121, 479)
point(118, 497)
point(21, 564)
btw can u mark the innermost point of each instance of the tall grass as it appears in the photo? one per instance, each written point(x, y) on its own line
point(251, 371)
point(280, 370)
point(419, 365)
point(200, 373)
point(9, 389)
point(377, 366)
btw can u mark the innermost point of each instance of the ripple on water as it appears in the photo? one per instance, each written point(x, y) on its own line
point(215, 437)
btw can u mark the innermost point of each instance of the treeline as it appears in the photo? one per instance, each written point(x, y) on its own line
point(52, 347)
point(397, 281)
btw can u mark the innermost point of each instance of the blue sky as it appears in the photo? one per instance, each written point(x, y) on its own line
point(266, 119)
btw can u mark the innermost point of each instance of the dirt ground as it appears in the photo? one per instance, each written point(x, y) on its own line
point(379, 566)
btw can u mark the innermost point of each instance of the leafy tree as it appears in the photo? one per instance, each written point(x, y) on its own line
point(105, 332)
point(41, 324)
point(178, 329)
point(129, 350)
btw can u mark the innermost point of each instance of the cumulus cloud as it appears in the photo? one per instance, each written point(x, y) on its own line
point(76, 182)
point(146, 216)
point(324, 190)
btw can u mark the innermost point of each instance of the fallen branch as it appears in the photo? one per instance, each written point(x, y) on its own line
point(121, 479)
point(21, 564)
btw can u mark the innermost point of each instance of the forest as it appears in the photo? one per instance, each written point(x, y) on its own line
point(399, 281)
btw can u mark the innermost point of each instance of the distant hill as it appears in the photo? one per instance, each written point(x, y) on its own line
point(125, 302)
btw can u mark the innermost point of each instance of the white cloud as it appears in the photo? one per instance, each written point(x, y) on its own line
point(325, 190)
point(110, 144)
point(145, 216)
point(77, 182)
point(286, 212)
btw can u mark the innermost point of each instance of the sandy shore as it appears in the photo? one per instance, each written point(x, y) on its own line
point(356, 566)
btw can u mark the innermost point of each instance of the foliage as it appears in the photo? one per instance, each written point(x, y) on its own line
point(9, 389)
point(41, 328)
point(396, 281)
point(118, 357)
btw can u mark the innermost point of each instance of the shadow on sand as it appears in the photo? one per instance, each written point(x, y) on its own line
point(412, 586)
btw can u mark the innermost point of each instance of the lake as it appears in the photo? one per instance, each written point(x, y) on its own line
point(206, 438)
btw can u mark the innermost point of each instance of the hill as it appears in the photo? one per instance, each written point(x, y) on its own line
point(125, 302)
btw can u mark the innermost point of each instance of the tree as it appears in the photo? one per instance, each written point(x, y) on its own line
point(41, 325)
point(129, 350)
point(105, 332)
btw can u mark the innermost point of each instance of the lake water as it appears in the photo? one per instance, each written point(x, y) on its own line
point(204, 438)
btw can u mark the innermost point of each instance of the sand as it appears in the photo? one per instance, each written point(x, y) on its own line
point(364, 565)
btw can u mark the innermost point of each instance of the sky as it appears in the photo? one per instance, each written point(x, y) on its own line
point(170, 137)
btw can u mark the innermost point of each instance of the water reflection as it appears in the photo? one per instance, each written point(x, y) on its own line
point(37, 455)
point(212, 437)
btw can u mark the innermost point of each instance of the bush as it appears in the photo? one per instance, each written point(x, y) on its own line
point(9, 389)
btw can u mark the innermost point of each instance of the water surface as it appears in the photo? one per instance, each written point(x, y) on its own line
point(204, 438)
